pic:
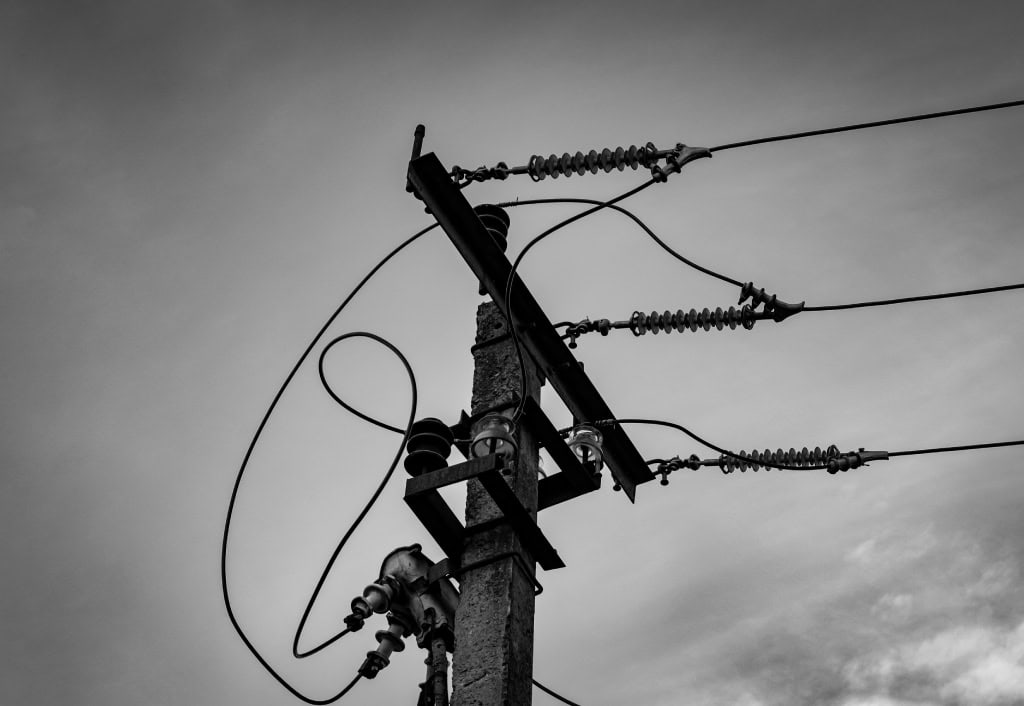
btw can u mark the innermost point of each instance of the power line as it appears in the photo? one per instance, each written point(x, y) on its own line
point(966, 447)
point(769, 464)
point(512, 273)
point(553, 693)
point(864, 126)
point(248, 454)
point(636, 219)
point(921, 298)
point(373, 498)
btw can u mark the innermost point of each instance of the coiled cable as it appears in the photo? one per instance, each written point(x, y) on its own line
point(245, 461)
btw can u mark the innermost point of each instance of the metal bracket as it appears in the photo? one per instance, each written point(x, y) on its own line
point(430, 508)
point(536, 333)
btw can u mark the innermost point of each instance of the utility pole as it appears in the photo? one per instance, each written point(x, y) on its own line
point(493, 661)
point(494, 555)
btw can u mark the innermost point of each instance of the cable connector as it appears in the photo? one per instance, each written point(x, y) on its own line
point(667, 466)
point(574, 331)
point(855, 459)
point(677, 159)
point(779, 309)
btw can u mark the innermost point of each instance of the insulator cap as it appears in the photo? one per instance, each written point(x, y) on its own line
point(429, 446)
point(496, 221)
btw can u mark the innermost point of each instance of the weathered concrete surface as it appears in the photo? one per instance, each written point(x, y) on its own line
point(493, 661)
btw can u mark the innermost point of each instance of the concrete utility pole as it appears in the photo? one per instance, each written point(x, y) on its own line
point(495, 554)
point(493, 660)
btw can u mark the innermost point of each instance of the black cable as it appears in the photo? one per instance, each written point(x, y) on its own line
point(636, 219)
point(924, 297)
point(912, 452)
point(967, 447)
point(248, 453)
point(512, 273)
point(863, 126)
point(555, 694)
point(373, 498)
point(679, 427)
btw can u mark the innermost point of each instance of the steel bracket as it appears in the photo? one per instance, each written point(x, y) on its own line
point(433, 512)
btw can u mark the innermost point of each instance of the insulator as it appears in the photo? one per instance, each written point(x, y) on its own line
point(540, 167)
point(640, 323)
point(803, 458)
point(496, 220)
point(430, 444)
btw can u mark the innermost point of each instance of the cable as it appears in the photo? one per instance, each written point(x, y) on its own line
point(924, 297)
point(967, 447)
point(512, 274)
point(248, 454)
point(679, 427)
point(863, 126)
point(556, 695)
point(636, 219)
point(373, 498)
point(912, 452)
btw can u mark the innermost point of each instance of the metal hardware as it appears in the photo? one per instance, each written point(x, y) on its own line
point(540, 340)
point(779, 309)
point(426, 503)
point(855, 459)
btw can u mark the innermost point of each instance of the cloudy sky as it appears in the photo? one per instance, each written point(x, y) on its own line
point(187, 189)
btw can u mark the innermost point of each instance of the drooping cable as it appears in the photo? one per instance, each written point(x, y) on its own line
point(705, 442)
point(248, 454)
point(517, 345)
point(636, 219)
point(554, 694)
point(864, 126)
point(373, 498)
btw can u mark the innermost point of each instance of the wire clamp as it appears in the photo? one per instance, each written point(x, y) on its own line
point(855, 459)
point(779, 309)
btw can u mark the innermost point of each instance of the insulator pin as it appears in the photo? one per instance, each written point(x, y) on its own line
point(692, 320)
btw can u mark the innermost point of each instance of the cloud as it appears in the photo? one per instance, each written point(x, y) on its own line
point(965, 664)
point(917, 614)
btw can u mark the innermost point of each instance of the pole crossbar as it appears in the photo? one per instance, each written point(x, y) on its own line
point(540, 339)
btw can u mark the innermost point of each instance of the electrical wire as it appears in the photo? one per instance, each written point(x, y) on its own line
point(864, 126)
point(636, 219)
point(729, 280)
point(554, 694)
point(947, 449)
point(373, 498)
point(911, 452)
point(705, 442)
point(517, 345)
point(248, 454)
point(921, 298)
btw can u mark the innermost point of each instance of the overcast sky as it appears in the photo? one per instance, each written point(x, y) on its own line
point(187, 189)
